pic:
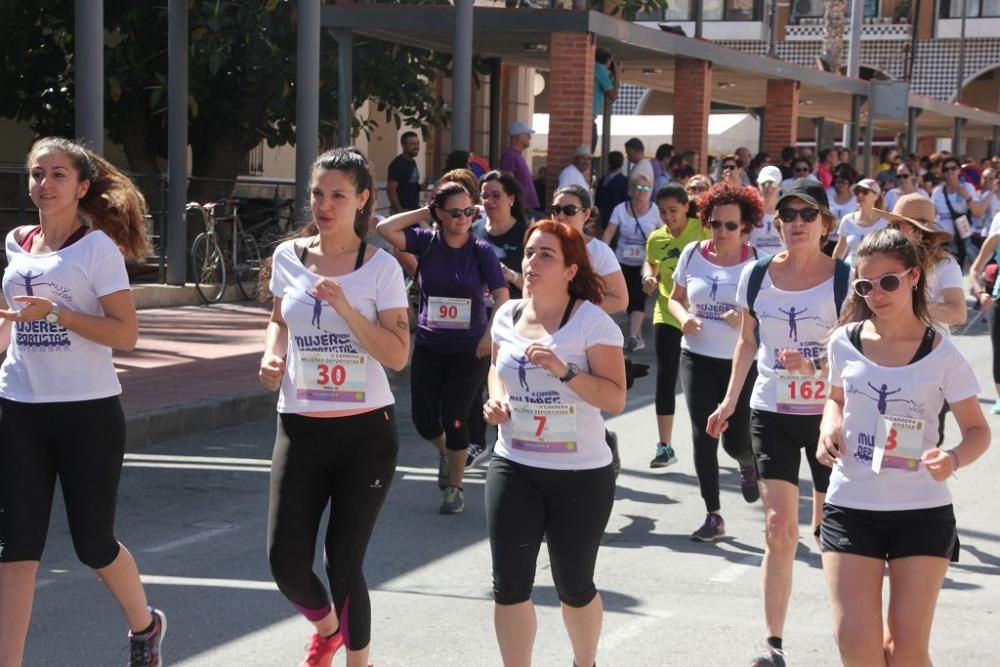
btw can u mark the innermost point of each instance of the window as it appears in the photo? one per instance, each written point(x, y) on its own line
point(712, 10)
point(813, 9)
point(952, 9)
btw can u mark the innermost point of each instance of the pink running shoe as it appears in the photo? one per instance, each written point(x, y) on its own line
point(320, 651)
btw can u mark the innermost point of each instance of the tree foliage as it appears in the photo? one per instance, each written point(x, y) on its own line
point(241, 78)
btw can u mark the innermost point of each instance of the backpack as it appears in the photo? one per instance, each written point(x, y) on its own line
point(841, 277)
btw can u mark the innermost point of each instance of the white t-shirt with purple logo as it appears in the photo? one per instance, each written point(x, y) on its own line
point(797, 320)
point(550, 426)
point(909, 398)
point(48, 362)
point(326, 368)
point(711, 292)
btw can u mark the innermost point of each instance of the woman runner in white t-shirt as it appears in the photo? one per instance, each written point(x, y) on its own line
point(703, 300)
point(69, 306)
point(339, 314)
point(855, 226)
point(888, 500)
point(557, 362)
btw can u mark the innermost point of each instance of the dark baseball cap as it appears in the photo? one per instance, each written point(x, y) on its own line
point(809, 191)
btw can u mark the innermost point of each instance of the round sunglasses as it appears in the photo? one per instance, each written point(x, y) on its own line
point(468, 212)
point(719, 224)
point(889, 282)
point(568, 210)
point(788, 214)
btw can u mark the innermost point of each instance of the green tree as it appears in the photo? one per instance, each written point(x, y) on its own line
point(241, 79)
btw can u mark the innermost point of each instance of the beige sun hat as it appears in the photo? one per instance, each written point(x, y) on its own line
point(917, 210)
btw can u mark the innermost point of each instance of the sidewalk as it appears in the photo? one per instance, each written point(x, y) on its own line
point(193, 370)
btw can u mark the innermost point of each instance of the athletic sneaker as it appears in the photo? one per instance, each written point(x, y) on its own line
point(748, 484)
point(472, 454)
point(996, 407)
point(616, 462)
point(443, 472)
point(664, 456)
point(320, 650)
point(144, 649)
point(713, 529)
point(634, 343)
point(454, 501)
point(769, 657)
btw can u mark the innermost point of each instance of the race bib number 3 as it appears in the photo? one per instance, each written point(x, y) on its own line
point(544, 429)
point(800, 394)
point(337, 377)
point(899, 442)
point(445, 313)
point(632, 250)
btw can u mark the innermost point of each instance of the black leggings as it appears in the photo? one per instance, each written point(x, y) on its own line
point(633, 281)
point(705, 380)
point(667, 341)
point(569, 508)
point(80, 442)
point(348, 464)
point(442, 387)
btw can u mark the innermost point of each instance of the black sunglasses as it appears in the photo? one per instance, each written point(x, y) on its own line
point(952, 168)
point(727, 167)
point(459, 212)
point(788, 214)
point(801, 170)
point(889, 282)
point(903, 176)
point(718, 224)
point(567, 210)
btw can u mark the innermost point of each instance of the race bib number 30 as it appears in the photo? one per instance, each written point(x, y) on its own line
point(337, 377)
point(899, 442)
point(445, 313)
point(544, 429)
point(800, 394)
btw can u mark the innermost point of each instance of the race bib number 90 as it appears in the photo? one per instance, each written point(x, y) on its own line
point(544, 429)
point(337, 377)
point(800, 394)
point(445, 313)
point(899, 442)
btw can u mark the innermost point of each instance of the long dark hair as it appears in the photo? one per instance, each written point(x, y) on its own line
point(893, 243)
point(352, 162)
point(112, 204)
point(586, 284)
point(511, 188)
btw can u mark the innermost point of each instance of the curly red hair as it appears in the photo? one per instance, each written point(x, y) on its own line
point(720, 194)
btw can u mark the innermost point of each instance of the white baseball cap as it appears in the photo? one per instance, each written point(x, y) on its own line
point(769, 174)
point(519, 127)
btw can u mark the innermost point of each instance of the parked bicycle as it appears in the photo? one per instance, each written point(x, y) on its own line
point(224, 253)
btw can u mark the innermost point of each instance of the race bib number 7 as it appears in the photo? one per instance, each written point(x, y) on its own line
point(337, 377)
point(899, 442)
point(544, 429)
point(800, 394)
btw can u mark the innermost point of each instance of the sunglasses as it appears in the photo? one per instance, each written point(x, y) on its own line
point(889, 282)
point(801, 170)
point(643, 188)
point(904, 177)
point(842, 181)
point(568, 210)
point(952, 168)
point(728, 167)
point(459, 212)
point(697, 188)
point(788, 214)
point(719, 224)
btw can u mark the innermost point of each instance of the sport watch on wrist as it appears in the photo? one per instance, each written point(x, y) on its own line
point(53, 316)
point(572, 370)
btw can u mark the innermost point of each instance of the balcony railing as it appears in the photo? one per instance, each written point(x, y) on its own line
point(869, 31)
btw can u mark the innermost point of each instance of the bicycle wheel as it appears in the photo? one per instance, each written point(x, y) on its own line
point(246, 266)
point(209, 267)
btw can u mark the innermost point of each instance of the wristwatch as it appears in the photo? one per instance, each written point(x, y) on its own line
point(572, 370)
point(53, 316)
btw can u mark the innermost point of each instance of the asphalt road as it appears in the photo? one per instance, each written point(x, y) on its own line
point(193, 512)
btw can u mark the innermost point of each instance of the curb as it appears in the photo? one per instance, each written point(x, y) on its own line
point(154, 426)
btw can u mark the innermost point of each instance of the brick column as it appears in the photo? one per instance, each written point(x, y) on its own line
point(571, 100)
point(692, 102)
point(781, 127)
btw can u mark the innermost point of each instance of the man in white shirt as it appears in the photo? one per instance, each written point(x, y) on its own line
point(578, 171)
